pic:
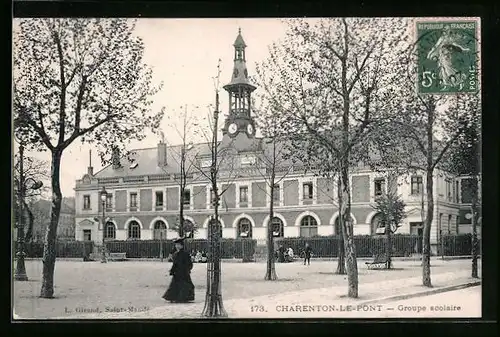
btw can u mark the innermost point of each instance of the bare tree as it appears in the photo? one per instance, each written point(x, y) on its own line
point(465, 160)
point(333, 81)
point(216, 165)
point(183, 156)
point(78, 79)
point(35, 170)
point(273, 163)
point(410, 138)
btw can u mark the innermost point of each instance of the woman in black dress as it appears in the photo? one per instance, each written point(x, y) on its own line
point(181, 287)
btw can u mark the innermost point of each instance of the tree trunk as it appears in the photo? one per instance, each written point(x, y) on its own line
point(347, 232)
point(474, 229)
point(271, 268)
point(426, 254)
point(341, 250)
point(29, 231)
point(181, 214)
point(388, 244)
point(49, 248)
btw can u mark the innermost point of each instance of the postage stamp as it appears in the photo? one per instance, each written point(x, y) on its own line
point(448, 56)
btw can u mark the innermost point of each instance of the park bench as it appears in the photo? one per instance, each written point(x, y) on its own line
point(379, 262)
point(116, 256)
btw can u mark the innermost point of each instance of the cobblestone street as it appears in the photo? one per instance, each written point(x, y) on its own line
point(134, 289)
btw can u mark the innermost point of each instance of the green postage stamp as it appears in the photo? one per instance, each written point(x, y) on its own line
point(448, 56)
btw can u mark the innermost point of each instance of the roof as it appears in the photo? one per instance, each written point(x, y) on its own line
point(147, 162)
point(239, 42)
point(147, 159)
point(240, 75)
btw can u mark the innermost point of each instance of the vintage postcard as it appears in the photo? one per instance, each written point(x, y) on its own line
point(246, 168)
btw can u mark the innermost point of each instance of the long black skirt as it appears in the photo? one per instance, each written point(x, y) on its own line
point(181, 289)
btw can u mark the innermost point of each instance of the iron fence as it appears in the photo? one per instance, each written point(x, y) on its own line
point(230, 248)
point(403, 245)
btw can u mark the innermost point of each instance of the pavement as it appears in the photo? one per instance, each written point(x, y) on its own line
point(376, 300)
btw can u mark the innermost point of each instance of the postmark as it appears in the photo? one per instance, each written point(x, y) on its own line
point(448, 56)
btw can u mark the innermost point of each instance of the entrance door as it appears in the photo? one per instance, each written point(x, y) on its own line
point(87, 235)
point(416, 228)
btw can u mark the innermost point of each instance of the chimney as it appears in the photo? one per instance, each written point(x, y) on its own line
point(90, 169)
point(162, 154)
point(115, 158)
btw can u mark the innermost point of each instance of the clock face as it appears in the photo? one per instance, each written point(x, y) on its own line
point(232, 128)
point(250, 129)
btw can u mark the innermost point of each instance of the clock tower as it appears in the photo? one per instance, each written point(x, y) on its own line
point(239, 90)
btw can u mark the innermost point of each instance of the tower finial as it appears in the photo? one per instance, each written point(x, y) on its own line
point(90, 157)
point(239, 30)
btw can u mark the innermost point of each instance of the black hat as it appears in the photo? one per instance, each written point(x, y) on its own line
point(179, 240)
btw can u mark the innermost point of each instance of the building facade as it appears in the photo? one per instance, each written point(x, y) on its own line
point(144, 196)
point(41, 218)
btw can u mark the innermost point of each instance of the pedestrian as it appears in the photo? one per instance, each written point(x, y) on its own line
point(307, 254)
point(281, 254)
point(181, 289)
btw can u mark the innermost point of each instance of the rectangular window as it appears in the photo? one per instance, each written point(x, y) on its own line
point(86, 202)
point(457, 192)
point(379, 187)
point(109, 202)
point(87, 235)
point(276, 193)
point(243, 195)
point(133, 200)
point(416, 185)
point(159, 199)
point(307, 232)
point(186, 197)
point(308, 190)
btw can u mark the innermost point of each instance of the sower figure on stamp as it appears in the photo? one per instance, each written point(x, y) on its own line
point(307, 254)
point(181, 287)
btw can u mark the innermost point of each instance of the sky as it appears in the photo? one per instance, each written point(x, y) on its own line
point(184, 54)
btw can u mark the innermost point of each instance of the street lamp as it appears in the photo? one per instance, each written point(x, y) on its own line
point(20, 273)
point(104, 196)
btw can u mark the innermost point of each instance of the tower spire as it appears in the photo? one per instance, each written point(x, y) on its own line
point(239, 91)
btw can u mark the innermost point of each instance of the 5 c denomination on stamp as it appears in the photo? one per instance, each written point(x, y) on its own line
point(447, 56)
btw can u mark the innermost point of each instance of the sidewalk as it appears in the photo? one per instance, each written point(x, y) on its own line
point(329, 302)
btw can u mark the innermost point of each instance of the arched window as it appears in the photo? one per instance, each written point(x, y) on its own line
point(159, 230)
point(189, 229)
point(377, 224)
point(110, 231)
point(244, 228)
point(134, 230)
point(308, 226)
point(277, 227)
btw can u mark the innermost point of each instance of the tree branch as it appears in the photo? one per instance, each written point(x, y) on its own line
point(62, 96)
point(68, 141)
point(445, 148)
point(28, 121)
point(78, 109)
